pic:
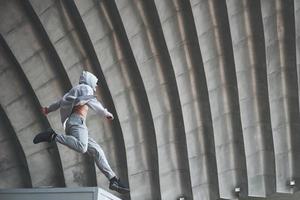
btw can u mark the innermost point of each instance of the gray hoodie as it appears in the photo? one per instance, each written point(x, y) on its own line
point(80, 95)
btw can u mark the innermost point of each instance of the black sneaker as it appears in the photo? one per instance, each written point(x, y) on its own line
point(47, 136)
point(115, 184)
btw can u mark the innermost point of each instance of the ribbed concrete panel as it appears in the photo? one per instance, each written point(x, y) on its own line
point(297, 28)
point(249, 53)
point(143, 30)
point(19, 103)
point(181, 38)
point(46, 79)
point(279, 30)
point(215, 43)
point(14, 171)
point(128, 94)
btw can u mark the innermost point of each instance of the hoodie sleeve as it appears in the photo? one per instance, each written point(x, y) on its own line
point(98, 108)
point(54, 106)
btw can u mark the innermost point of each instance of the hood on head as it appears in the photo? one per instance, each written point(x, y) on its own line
point(88, 79)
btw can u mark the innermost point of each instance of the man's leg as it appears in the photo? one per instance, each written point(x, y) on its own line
point(97, 153)
point(77, 138)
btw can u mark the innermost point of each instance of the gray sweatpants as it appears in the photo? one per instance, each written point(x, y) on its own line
point(77, 139)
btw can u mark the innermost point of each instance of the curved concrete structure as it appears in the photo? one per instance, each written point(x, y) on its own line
point(247, 40)
point(204, 93)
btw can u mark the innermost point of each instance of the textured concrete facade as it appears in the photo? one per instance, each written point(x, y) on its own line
point(205, 95)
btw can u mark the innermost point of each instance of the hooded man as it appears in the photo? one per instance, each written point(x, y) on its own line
point(73, 107)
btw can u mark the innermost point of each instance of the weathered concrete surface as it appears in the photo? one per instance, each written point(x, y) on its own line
point(247, 39)
point(150, 52)
point(18, 101)
point(205, 94)
point(181, 39)
point(13, 166)
point(280, 44)
point(216, 48)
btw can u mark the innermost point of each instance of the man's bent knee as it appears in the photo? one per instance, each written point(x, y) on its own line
point(82, 148)
point(95, 152)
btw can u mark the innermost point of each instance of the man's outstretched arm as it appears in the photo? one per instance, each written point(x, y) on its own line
point(52, 107)
point(95, 105)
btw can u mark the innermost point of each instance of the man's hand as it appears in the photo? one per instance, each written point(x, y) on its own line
point(109, 117)
point(44, 110)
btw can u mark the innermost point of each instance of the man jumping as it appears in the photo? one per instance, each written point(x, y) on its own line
point(74, 107)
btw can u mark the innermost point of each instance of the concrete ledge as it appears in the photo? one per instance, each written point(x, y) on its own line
point(83, 193)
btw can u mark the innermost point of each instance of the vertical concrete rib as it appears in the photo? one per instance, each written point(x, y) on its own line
point(14, 170)
point(297, 27)
point(249, 53)
point(124, 81)
point(143, 28)
point(279, 30)
point(45, 73)
point(181, 38)
point(21, 106)
point(216, 48)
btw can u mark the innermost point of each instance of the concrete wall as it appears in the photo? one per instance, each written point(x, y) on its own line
point(204, 92)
